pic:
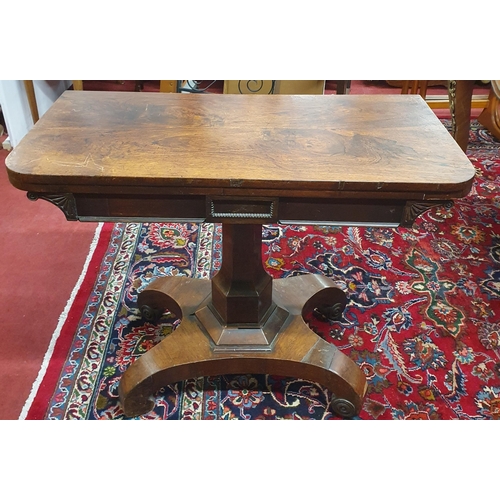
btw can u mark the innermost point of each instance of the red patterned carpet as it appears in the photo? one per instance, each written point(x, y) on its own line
point(423, 318)
point(41, 259)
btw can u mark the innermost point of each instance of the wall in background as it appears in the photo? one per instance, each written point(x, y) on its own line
point(15, 106)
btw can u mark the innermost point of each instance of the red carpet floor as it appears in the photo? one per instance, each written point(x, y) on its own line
point(42, 256)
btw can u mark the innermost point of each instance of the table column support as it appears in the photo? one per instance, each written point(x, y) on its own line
point(243, 321)
point(242, 290)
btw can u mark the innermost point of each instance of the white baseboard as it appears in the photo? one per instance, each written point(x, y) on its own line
point(6, 144)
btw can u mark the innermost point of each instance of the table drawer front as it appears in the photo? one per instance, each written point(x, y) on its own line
point(241, 210)
point(348, 213)
point(146, 208)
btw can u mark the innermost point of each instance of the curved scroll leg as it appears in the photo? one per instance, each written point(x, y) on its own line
point(296, 351)
point(177, 357)
point(323, 363)
point(167, 293)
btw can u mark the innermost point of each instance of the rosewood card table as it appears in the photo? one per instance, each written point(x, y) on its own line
point(243, 161)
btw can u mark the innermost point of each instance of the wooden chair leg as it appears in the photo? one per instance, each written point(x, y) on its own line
point(490, 116)
point(77, 84)
point(423, 88)
point(460, 98)
point(30, 92)
point(417, 87)
point(343, 86)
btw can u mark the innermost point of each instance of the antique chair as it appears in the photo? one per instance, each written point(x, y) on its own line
point(460, 102)
point(415, 87)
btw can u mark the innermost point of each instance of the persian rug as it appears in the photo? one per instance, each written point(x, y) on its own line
point(422, 320)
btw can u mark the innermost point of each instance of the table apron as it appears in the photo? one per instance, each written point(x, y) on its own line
point(238, 210)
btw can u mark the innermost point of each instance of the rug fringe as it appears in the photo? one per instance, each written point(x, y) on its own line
point(60, 323)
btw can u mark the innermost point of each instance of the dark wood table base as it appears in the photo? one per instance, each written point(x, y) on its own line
point(278, 342)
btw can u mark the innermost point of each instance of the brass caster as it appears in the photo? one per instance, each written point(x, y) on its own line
point(150, 314)
point(329, 313)
point(343, 408)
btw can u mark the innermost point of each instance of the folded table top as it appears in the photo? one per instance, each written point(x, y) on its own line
point(388, 145)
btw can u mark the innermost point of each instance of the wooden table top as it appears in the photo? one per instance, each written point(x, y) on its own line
point(388, 144)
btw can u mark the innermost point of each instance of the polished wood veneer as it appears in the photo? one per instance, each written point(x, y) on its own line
point(243, 161)
point(325, 144)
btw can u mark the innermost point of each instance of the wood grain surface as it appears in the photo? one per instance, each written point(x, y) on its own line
point(322, 143)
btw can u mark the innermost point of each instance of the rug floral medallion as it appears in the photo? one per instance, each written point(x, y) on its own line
point(422, 320)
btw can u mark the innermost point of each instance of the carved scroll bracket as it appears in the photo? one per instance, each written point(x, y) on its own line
point(65, 201)
point(415, 208)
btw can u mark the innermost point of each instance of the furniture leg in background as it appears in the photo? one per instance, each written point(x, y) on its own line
point(343, 86)
point(417, 87)
point(77, 84)
point(460, 102)
point(30, 92)
point(490, 117)
point(460, 97)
